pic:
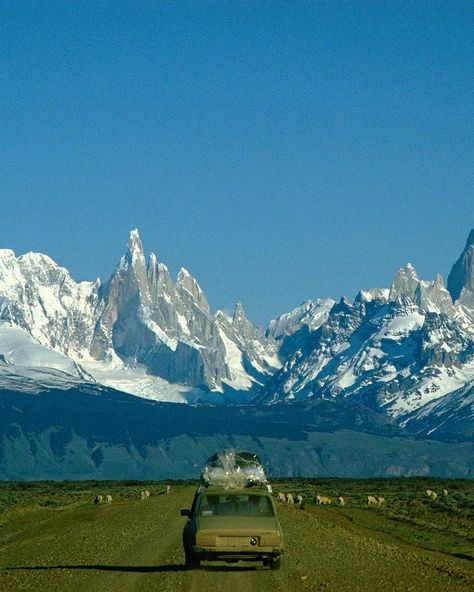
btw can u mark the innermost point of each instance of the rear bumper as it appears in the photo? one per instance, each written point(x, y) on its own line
point(213, 553)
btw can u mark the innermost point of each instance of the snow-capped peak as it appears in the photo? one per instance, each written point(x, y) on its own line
point(186, 284)
point(184, 275)
point(6, 253)
point(135, 248)
point(134, 237)
point(392, 350)
point(239, 314)
point(405, 283)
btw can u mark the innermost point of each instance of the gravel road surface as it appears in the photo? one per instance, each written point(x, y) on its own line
point(136, 546)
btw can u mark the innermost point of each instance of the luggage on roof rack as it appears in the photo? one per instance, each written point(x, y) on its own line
point(233, 469)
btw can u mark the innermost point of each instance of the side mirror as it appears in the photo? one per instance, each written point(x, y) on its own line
point(185, 512)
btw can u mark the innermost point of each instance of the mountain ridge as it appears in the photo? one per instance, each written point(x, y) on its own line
point(394, 350)
point(138, 322)
point(63, 435)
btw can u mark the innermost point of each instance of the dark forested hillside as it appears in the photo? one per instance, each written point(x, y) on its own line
point(95, 432)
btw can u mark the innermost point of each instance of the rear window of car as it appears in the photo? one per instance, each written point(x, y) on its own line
point(235, 505)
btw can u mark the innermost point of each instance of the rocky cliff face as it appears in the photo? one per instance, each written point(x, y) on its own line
point(41, 298)
point(139, 318)
point(146, 319)
point(461, 276)
point(399, 351)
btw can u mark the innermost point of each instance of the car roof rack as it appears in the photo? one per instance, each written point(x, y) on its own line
point(233, 469)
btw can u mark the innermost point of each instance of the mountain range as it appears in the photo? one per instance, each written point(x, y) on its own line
point(401, 357)
point(140, 331)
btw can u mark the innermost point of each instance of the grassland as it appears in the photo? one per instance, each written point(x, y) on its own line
point(15, 495)
point(52, 537)
point(445, 524)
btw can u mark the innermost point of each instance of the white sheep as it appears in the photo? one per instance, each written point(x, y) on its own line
point(322, 500)
point(144, 494)
point(98, 499)
point(341, 500)
point(432, 494)
point(381, 501)
point(445, 492)
point(290, 499)
point(108, 498)
point(372, 501)
point(299, 500)
point(281, 497)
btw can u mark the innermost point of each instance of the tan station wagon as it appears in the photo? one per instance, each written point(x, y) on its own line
point(232, 525)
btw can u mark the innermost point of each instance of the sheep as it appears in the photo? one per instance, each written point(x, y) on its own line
point(372, 501)
point(432, 494)
point(445, 492)
point(290, 499)
point(299, 500)
point(98, 499)
point(341, 500)
point(281, 497)
point(144, 494)
point(168, 489)
point(108, 498)
point(322, 500)
point(381, 500)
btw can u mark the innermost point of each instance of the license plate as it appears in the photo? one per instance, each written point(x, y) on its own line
point(236, 541)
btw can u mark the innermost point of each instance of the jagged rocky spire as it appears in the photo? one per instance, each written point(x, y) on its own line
point(134, 245)
point(167, 327)
point(462, 272)
point(190, 291)
point(405, 283)
point(240, 321)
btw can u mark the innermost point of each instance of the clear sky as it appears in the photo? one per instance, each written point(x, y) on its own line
point(280, 151)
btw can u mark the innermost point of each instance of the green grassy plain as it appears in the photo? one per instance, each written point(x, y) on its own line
point(53, 537)
point(15, 495)
point(445, 524)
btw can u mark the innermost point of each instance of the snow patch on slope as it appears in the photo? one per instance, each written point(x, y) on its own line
point(240, 379)
point(136, 381)
point(18, 348)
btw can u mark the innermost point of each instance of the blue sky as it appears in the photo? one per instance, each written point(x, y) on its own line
point(280, 151)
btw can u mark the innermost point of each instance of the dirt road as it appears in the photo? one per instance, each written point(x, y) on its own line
point(136, 546)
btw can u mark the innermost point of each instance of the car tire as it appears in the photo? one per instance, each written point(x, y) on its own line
point(192, 562)
point(275, 563)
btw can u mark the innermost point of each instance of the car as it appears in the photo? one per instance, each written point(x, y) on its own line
point(232, 525)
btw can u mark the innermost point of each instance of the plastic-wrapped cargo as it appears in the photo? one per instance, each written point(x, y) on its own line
point(232, 469)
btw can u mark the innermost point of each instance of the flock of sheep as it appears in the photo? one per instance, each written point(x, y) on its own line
point(144, 495)
point(433, 495)
point(107, 499)
point(103, 499)
point(322, 500)
point(287, 498)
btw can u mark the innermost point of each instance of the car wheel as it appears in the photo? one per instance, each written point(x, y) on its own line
point(192, 562)
point(275, 563)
